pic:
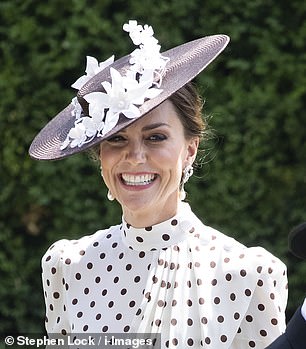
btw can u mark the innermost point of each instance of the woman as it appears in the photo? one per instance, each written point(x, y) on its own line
point(161, 270)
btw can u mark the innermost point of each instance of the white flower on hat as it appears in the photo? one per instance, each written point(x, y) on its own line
point(124, 93)
point(93, 67)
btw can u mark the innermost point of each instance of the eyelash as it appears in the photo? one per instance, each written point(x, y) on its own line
point(158, 137)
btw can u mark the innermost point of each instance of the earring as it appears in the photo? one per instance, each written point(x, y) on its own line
point(110, 196)
point(187, 173)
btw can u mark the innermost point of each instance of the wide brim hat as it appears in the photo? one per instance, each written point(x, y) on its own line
point(297, 241)
point(185, 62)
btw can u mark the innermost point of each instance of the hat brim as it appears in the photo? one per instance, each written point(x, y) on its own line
point(186, 62)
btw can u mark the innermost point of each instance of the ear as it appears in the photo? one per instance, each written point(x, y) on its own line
point(192, 149)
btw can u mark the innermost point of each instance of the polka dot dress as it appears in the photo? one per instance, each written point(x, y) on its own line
point(195, 286)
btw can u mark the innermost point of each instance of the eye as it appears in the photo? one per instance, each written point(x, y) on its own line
point(116, 139)
point(157, 137)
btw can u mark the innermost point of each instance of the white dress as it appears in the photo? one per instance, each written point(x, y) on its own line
point(190, 283)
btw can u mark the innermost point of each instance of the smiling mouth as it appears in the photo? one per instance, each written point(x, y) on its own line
point(138, 180)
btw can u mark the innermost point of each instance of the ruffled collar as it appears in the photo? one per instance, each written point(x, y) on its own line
point(159, 236)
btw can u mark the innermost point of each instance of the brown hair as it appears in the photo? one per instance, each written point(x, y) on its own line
point(188, 104)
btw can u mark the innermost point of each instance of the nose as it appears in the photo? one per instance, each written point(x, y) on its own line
point(135, 153)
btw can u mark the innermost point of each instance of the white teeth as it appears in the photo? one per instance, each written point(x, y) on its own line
point(138, 180)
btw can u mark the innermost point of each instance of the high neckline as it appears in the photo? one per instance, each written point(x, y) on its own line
point(161, 235)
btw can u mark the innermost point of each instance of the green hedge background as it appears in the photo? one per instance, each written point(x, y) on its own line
point(252, 181)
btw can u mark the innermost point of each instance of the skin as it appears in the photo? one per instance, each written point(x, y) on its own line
point(153, 151)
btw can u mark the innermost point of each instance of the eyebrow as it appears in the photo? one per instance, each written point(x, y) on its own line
point(153, 126)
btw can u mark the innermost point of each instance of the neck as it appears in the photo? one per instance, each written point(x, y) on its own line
point(147, 217)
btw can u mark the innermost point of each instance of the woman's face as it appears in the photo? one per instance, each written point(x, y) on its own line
point(142, 165)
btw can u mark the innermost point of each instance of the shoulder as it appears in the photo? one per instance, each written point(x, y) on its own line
point(231, 254)
point(68, 252)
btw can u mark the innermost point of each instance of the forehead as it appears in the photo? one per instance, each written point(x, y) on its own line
point(165, 113)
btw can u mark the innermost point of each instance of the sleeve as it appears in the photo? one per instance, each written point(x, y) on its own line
point(54, 286)
point(264, 319)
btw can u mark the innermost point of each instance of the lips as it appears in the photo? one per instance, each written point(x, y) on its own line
point(138, 180)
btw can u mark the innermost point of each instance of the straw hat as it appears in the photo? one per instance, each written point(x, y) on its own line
point(114, 94)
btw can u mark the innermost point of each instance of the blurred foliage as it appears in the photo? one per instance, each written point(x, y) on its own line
point(251, 178)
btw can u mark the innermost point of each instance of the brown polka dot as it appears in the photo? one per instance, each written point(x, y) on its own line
point(89, 265)
point(160, 303)
point(173, 322)
point(189, 322)
point(228, 277)
point(243, 272)
point(217, 300)
point(56, 295)
point(236, 316)
point(259, 270)
point(207, 340)
point(261, 307)
point(172, 266)
point(126, 329)
point(189, 303)
point(92, 304)
point(53, 270)
point(272, 296)
point(105, 328)
point(270, 270)
point(190, 342)
point(86, 290)
point(148, 228)
point(174, 222)
point(212, 264)
point(223, 338)
point(232, 296)
point(102, 255)
point(139, 239)
point(82, 252)
point(220, 318)
point(199, 282)
point(74, 301)
point(204, 320)
point(249, 318)
point(166, 237)
point(68, 261)
point(274, 321)
point(157, 322)
point(260, 283)
point(79, 314)
point(174, 303)
point(252, 344)
point(64, 332)
point(263, 333)
point(201, 301)
point(78, 276)
point(175, 341)
point(247, 292)
point(241, 256)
